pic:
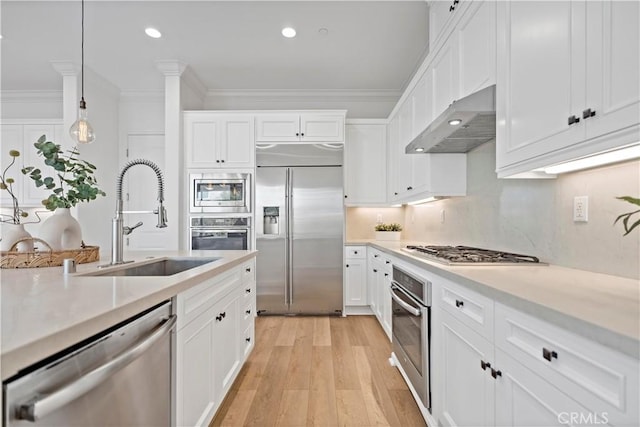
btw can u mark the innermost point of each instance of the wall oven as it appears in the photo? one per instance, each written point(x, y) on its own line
point(220, 192)
point(411, 326)
point(220, 233)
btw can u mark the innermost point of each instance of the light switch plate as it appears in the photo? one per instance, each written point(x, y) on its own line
point(581, 209)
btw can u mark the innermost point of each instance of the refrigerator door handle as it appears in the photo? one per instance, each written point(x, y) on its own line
point(289, 189)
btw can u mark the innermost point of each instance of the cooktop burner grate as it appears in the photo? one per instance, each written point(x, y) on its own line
point(470, 255)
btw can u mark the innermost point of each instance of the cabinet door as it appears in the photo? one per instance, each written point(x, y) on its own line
point(466, 390)
point(226, 340)
point(356, 282)
point(540, 78)
point(32, 195)
point(385, 302)
point(237, 148)
point(524, 399)
point(393, 162)
point(321, 128)
point(365, 164)
point(440, 15)
point(11, 139)
point(372, 278)
point(422, 106)
point(613, 66)
point(476, 38)
point(195, 394)
point(202, 138)
point(278, 128)
point(404, 137)
point(444, 80)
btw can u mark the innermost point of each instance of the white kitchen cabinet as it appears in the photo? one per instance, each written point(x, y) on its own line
point(444, 89)
point(568, 88)
point(365, 164)
point(422, 105)
point(21, 135)
point(215, 140)
point(442, 17)
point(300, 127)
point(465, 394)
point(355, 275)
point(214, 337)
point(379, 278)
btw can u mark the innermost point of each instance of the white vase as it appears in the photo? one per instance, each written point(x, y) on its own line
point(61, 231)
point(388, 235)
point(11, 233)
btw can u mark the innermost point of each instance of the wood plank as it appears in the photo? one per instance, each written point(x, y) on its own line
point(391, 376)
point(299, 373)
point(254, 368)
point(266, 402)
point(293, 408)
point(321, 331)
point(406, 408)
point(357, 335)
point(287, 335)
point(375, 335)
point(234, 409)
point(267, 330)
point(376, 396)
point(351, 408)
point(322, 396)
point(344, 365)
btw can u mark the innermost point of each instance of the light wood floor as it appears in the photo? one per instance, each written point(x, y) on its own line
point(319, 371)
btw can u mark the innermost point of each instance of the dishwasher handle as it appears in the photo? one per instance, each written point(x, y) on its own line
point(38, 408)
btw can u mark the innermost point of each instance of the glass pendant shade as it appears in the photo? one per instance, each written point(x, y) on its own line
point(81, 131)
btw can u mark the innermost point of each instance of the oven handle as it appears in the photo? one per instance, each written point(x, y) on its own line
point(219, 230)
point(416, 312)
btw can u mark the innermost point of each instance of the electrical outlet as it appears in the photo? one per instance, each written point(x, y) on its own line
point(442, 216)
point(581, 209)
point(379, 218)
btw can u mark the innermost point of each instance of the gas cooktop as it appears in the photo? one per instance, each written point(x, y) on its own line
point(459, 255)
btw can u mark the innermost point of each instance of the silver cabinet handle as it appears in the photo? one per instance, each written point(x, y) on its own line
point(403, 304)
point(37, 409)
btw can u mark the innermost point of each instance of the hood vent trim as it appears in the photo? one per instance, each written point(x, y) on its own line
point(478, 114)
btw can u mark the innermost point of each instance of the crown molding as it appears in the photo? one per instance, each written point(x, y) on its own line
point(35, 96)
point(171, 67)
point(65, 68)
point(314, 95)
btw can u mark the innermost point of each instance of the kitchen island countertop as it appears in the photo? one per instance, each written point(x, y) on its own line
point(44, 311)
point(600, 307)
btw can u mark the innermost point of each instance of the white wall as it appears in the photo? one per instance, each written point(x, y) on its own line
point(31, 104)
point(532, 217)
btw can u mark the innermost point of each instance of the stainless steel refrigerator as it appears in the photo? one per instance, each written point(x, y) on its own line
point(299, 230)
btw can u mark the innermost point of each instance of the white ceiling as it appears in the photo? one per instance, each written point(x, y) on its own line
point(234, 45)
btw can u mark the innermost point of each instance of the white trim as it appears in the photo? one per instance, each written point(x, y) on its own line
point(36, 96)
point(367, 122)
point(259, 95)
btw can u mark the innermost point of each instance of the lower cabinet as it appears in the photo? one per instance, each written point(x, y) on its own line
point(379, 270)
point(213, 344)
point(355, 277)
point(522, 371)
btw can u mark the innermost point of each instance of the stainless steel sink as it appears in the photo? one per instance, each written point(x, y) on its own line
point(161, 267)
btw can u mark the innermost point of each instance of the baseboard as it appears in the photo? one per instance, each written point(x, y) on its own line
point(357, 310)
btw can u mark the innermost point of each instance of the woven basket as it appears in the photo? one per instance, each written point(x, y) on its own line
point(48, 258)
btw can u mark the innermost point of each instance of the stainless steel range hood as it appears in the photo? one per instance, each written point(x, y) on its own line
point(476, 118)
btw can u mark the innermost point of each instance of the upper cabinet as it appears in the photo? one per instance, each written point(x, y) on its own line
point(567, 83)
point(215, 140)
point(21, 136)
point(365, 163)
point(306, 127)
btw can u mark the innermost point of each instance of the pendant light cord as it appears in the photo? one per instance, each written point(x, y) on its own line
point(82, 61)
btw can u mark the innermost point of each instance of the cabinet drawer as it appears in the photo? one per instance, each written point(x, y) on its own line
point(599, 378)
point(196, 300)
point(471, 308)
point(247, 313)
point(355, 252)
point(248, 340)
point(248, 271)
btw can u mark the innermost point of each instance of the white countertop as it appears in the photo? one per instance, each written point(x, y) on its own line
point(44, 311)
point(601, 307)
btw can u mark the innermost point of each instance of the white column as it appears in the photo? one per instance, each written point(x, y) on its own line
point(173, 173)
point(70, 97)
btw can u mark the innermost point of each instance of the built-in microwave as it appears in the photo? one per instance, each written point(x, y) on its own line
point(220, 192)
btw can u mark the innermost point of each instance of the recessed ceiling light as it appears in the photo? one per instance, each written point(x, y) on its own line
point(323, 31)
point(455, 122)
point(419, 149)
point(288, 32)
point(153, 33)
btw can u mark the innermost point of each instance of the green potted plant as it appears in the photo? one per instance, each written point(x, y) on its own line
point(73, 182)
point(13, 224)
point(625, 217)
point(388, 231)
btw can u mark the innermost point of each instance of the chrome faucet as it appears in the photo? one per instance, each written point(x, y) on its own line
point(118, 229)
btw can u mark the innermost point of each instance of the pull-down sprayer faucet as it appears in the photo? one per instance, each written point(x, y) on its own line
point(118, 229)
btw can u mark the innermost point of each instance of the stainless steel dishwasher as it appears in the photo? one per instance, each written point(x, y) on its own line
point(120, 377)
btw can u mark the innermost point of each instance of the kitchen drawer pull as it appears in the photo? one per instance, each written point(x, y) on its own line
point(248, 270)
point(219, 318)
point(549, 354)
point(375, 256)
point(375, 271)
point(248, 339)
point(484, 365)
point(495, 374)
point(347, 265)
point(387, 262)
point(248, 290)
point(39, 407)
point(248, 311)
point(297, 133)
point(588, 113)
point(573, 119)
point(386, 274)
point(459, 303)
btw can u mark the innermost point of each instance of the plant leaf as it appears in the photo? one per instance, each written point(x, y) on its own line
point(634, 225)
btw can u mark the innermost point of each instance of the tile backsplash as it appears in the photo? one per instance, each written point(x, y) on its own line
point(533, 217)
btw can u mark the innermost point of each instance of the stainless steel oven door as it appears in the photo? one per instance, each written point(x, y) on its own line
point(230, 192)
point(411, 330)
point(220, 239)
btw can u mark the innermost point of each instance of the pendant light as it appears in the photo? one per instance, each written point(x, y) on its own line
point(81, 131)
